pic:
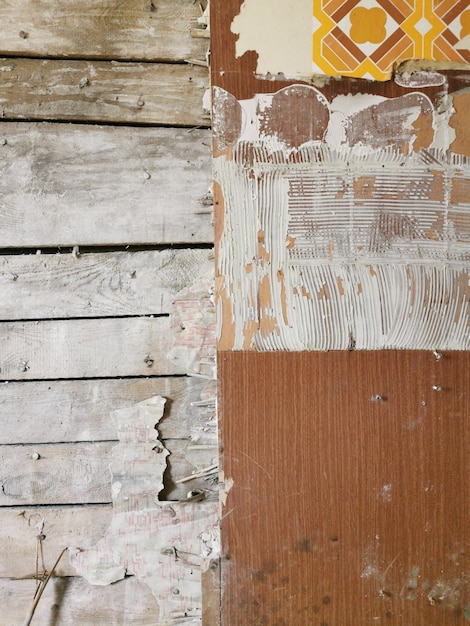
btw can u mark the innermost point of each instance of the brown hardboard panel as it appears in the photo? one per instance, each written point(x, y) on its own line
point(349, 476)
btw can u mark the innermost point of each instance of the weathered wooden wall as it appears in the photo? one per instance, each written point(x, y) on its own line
point(104, 220)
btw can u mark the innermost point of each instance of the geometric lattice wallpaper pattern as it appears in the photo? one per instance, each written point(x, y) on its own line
point(366, 38)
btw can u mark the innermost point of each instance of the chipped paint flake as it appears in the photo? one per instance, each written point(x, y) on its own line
point(166, 545)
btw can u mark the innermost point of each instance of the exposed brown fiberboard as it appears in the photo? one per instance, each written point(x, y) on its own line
point(349, 503)
point(345, 470)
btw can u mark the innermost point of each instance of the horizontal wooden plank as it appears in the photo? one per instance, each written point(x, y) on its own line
point(135, 29)
point(74, 526)
point(66, 185)
point(78, 473)
point(79, 410)
point(98, 91)
point(74, 601)
point(97, 285)
point(63, 474)
point(86, 348)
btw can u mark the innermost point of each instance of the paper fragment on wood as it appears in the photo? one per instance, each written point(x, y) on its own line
point(164, 544)
point(192, 318)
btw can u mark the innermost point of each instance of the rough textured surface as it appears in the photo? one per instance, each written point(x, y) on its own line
point(72, 600)
point(112, 92)
point(90, 348)
point(345, 223)
point(162, 544)
point(67, 185)
point(107, 209)
point(78, 410)
point(345, 470)
point(97, 285)
point(94, 29)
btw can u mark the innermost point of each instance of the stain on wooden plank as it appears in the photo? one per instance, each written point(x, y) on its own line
point(97, 285)
point(350, 487)
point(86, 348)
point(78, 473)
point(90, 29)
point(97, 91)
point(78, 410)
point(64, 185)
point(74, 601)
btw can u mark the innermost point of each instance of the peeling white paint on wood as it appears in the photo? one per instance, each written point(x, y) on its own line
point(356, 238)
point(192, 320)
point(162, 544)
point(78, 473)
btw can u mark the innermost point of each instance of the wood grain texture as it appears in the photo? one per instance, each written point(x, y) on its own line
point(79, 410)
point(211, 595)
point(350, 501)
point(63, 474)
point(66, 185)
point(101, 29)
point(97, 285)
point(86, 348)
point(74, 601)
point(125, 93)
point(78, 473)
point(72, 526)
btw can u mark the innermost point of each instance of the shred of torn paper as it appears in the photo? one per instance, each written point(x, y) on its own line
point(166, 545)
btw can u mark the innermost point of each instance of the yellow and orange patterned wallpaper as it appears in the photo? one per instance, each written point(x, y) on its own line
point(361, 38)
point(367, 37)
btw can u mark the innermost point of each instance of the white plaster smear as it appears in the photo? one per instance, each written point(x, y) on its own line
point(166, 545)
point(281, 34)
point(334, 246)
